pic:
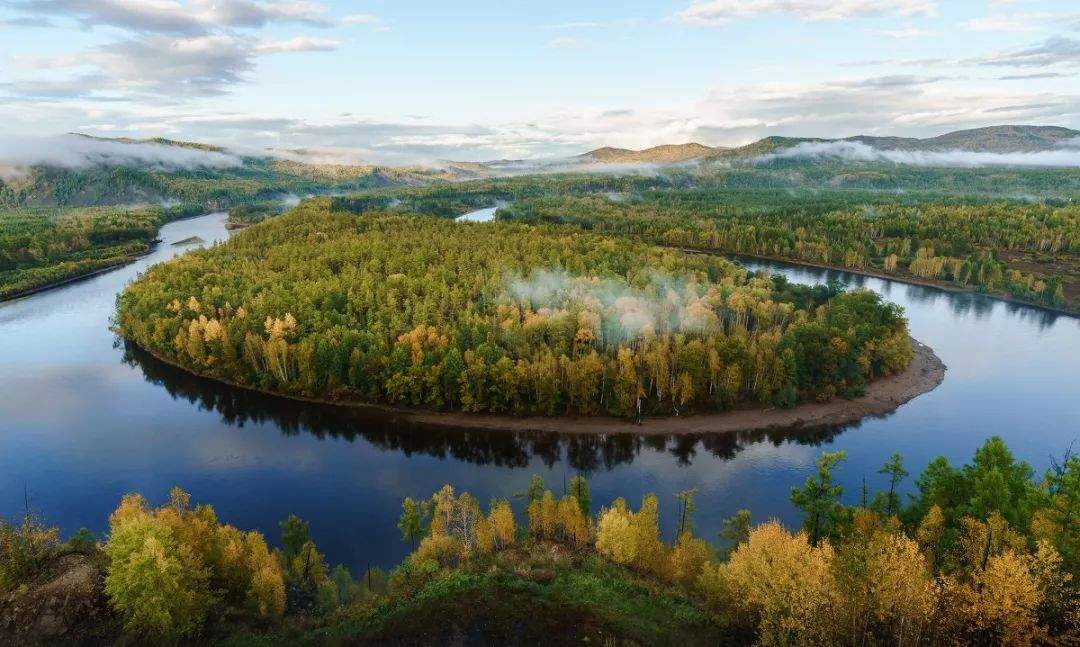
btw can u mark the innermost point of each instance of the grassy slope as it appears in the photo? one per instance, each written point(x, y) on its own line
point(543, 597)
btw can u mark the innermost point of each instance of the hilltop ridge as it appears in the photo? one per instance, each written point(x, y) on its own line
point(664, 154)
point(992, 139)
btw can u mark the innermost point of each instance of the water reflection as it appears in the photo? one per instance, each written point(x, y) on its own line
point(963, 303)
point(585, 453)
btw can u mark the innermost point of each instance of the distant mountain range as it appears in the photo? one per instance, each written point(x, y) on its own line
point(81, 170)
point(993, 139)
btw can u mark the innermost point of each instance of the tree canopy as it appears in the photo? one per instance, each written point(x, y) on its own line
point(501, 317)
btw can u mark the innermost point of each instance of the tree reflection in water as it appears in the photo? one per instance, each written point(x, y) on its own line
point(585, 453)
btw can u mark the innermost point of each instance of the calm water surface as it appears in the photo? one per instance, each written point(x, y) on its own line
point(479, 215)
point(84, 420)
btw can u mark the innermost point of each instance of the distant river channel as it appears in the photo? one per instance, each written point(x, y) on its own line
point(85, 419)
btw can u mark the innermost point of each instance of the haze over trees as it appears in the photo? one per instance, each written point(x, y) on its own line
point(1030, 251)
point(502, 318)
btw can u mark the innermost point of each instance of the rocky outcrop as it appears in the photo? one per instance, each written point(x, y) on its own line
point(66, 604)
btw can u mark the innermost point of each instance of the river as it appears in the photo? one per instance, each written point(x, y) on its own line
point(480, 215)
point(84, 420)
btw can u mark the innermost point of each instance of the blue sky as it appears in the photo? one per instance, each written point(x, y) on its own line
point(401, 81)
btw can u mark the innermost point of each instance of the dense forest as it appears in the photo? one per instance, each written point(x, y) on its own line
point(504, 318)
point(1001, 182)
point(42, 245)
point(59, 223)
point(781, 200)
point(1028, 251)
point(975, 228)
point(985, 553)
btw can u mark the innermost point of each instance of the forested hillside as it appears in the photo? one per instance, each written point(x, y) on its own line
point(111, 179)
point(62, 222)
point(502, 318)
point(259, 186)
point(39, 246)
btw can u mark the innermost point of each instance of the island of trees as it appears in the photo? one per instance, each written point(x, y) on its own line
point(502, 318)
point(985, 553)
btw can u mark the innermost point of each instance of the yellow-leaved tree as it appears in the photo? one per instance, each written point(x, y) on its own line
point(632, 538)
point(170, 566)
point(778, 583)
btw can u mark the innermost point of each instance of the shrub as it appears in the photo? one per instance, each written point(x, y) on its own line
point(157, 584)
point(170, 566)
point(24, 549)
point(778, 582)
point(83, 541)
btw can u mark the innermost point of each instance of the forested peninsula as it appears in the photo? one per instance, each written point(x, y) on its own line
point(380, 307)
point(1021, 252)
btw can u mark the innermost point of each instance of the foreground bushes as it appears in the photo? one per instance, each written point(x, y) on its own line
point(171, 565)
point(932, 572)
point(982, 554)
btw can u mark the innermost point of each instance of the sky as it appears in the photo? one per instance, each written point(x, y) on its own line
point(407, 81)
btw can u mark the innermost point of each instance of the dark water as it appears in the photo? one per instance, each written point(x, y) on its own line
point(84, 420)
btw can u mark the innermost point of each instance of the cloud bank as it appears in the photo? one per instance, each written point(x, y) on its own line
point(721, 12)
point(75, 152)
point(614, 311)
point(177, 17)
point(1066, 156)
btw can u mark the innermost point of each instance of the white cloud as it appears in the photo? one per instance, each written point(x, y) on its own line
point(908, 105)
point(1052, 51)
point(177, 17)
point(202, 65)
point(1034, 76)
point(73, 151)
point(1068, 155)
point(1013, 23)
point(297, 44)
point(905, 34)
point(721, 12)
point(565, 42)
point(368, 19)
point(174, 50)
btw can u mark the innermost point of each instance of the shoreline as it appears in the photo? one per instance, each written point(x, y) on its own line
point(883, 396)
point(152, 245)
point(45, 287)
point(899, 278)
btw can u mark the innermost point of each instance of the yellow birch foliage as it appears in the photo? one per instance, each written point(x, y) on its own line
point(997, 604)
point(888, 594)
point(503, 526)
point(615, 536)
point(779, 582)
point(687, 559)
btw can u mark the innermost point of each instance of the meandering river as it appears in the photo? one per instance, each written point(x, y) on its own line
point(84, 420)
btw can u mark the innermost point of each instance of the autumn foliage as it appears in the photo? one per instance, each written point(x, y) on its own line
point(927, 573)
point(503, 318)
point(170, 566)
point(980, 554)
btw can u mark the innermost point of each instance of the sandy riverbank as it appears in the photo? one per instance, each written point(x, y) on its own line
point(882, 396)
